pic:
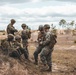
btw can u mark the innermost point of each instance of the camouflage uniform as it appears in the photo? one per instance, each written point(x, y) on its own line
point(15, 53)
point(47, 50)
point(25, 37)
point(39, 48)
point(18, 48)
point(10, 47)
point(6, 44)
point(10, 28)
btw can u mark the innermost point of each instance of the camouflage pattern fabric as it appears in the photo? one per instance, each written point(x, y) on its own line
point(41, 37)
point(11, 29)
point(46, 56)
point(39, 48)
point(25, 37)
point(20, 49)
point(37, 51)
point(7, 46)
point(47, 50)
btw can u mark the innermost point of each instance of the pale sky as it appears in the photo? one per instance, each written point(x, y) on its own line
point(36, 12)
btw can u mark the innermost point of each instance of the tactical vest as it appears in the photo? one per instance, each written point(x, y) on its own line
point(25, 35)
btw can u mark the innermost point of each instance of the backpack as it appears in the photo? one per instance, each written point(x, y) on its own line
point(55, 37)
point(53, 40)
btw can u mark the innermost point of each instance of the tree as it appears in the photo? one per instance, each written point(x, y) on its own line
point(52, 26)
point(72, 23)
point(53, 29)
point(62, 23)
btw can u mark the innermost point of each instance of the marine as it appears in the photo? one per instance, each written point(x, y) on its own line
point(46, 52)
point(10, 28)
point(19, 50)
point(6, 44)
point(41, 35)
point(25, 36)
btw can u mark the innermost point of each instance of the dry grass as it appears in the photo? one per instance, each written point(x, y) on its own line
point(65, 60)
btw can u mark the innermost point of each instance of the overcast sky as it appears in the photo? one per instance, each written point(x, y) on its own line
point(36, 12)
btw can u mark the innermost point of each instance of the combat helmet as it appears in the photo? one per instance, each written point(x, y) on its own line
point(46, 26)
point(23, 25)
point(41, 28)
point(10, 36)
point(17, 37)
point(13, 21)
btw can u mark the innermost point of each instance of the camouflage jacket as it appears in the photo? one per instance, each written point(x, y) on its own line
point(41, 37)
point(11, 29)
point(25, 34)
point(6, 45)
point(17, 45)
point(50, 40)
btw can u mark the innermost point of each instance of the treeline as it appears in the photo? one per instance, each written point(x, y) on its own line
point(2, 30)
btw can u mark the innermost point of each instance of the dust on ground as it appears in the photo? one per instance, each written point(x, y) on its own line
point(63, 59)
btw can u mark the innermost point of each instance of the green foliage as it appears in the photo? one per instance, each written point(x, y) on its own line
point(62, 22)
point(72, 23)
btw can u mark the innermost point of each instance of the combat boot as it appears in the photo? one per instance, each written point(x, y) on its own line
point(36, 61)
point(49, 69)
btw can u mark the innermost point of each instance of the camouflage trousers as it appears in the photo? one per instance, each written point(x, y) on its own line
point(18, 53)
point(46, 56)
point(25, 42)
point(37, 51)
point(14, 54)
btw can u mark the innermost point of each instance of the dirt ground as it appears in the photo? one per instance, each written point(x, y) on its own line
point(63, 58)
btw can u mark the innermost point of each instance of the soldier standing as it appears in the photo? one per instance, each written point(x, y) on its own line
point(46, 52)
point(10, 28)
point(39, 48)
point(25, 37)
